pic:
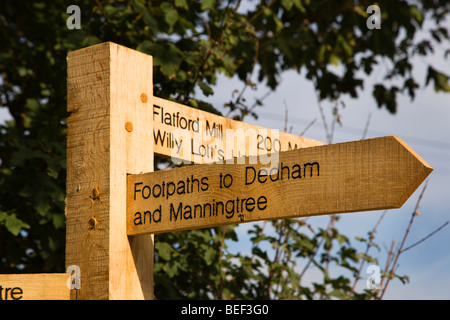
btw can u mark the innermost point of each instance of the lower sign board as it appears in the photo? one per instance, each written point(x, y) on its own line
point(372, 174)
point(36, 286)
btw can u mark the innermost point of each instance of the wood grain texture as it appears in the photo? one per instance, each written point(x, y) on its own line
point(195, 136)
point(36, 286)
point(105, 83)
point(363, 175)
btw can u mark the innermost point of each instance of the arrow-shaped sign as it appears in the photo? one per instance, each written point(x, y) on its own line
point(363, 175)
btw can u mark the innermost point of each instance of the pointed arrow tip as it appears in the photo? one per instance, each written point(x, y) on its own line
point(421, 170)
point(427, 168)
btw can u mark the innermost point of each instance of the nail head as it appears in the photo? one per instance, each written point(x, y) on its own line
point(92, 223)
point(95, 193)
point(144, 97)
point(129, 126)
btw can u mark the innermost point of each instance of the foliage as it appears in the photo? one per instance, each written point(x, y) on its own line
point(192, 42)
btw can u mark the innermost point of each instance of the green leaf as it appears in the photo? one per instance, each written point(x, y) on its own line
point(171, 268)
point(208, 4)
point(417, 14)
point(170, 14)
point(164, 250)
point(386, 97)
point(42, 206)
point(287, 4)
point(32, 104)
point(267, 12)
point(339, 294)
point(441, 81)
point(181, 4)
point(14, 225)
point(210, 255)
point(59, 220)
point(346, 47)
point(321, 54)
point(168, 57)
point(229, 66)
point(403, 279)
point(52, 244)
point(298, 4)
point(52, 172)
point(206, 89)
point(334, 60)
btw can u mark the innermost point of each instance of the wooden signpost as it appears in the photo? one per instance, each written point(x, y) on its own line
point(115, 126)
point(362, 175)
point(115, 203)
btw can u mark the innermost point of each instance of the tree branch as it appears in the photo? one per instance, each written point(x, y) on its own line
point(425, 238)
point(369, 245)
point(399, 251)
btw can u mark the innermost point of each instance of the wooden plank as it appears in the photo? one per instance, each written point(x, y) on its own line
point(37, 286)
point(363, 175)
point(190, 135)
point(109, 96)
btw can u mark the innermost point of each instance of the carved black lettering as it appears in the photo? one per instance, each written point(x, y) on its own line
point(262, 203)
point(262, 175)
point(179, 214)
point(229, 208)
point(311, 166)
point(250, 204)
point(135, 190)
point(137, 219)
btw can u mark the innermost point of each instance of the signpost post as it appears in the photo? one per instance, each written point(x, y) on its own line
point(109, 134)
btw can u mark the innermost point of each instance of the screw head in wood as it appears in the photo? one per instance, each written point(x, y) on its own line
point(92, 223)
point(95, 193)
point(144, 97)
point(129, 126)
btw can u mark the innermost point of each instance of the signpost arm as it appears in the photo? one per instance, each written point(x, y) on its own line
point(109, 99)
